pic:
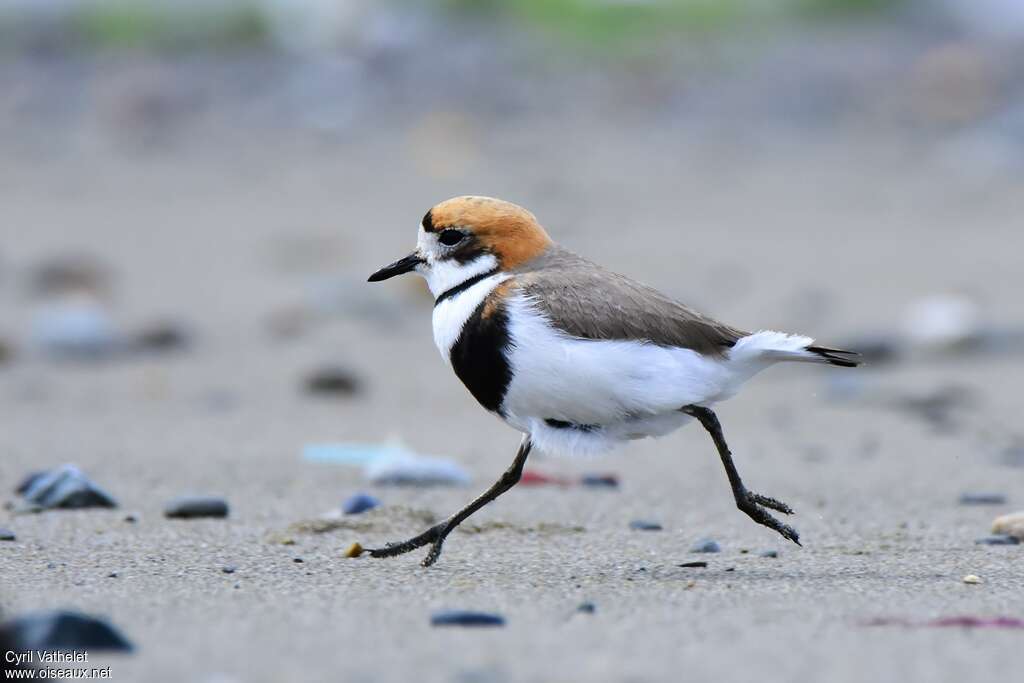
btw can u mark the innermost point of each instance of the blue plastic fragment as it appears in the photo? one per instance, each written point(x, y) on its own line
point(706, 545)
point(351, 453)
point(359, 503)
point(600, 481)
point(969, 498)
point(997, 539)
point(466, 618)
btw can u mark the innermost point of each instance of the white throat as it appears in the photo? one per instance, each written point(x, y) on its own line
point(443, 275)
point(452, 313)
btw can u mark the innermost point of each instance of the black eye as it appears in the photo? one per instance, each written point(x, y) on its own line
point(450, 238)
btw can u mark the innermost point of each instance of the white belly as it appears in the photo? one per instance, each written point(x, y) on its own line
point(624, 389)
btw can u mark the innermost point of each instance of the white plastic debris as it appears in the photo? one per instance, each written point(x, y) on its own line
point(390, 463)
point(77, 327)
point(944, 321)
point(410, 469)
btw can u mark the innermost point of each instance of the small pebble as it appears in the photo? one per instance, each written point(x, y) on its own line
point(1011, 525)
point(7, 535)
point(229, 569)
point(972, 579)
point(131, 519)
point(332, 381)
point(982, 499)
point(466, 618)
point(63, 630)
point(188, 507)
point(997, 539)
point(62, 274)
point(297, 560)
point(874, 350)
point(700, 564)
point(644, 525)
point(354, 550)
point(112, 575)
point(359, 503)
point(768, 553)
point(586, 608)
point(608, 481)
point(65, 487)
point(706, 545)
point(160, 337)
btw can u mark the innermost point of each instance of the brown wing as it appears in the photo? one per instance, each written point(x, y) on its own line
point(590, 302)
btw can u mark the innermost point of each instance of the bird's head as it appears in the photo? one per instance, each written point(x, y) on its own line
point(464, 237)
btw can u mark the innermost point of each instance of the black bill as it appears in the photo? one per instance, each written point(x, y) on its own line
point(403, 265)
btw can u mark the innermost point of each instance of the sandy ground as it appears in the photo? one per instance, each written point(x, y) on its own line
point(830, 238)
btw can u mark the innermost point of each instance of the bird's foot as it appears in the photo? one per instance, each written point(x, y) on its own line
point(435, 536)
point(771, 503)
point(754, 504)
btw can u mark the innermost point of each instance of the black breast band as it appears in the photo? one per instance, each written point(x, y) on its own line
point(463, 286)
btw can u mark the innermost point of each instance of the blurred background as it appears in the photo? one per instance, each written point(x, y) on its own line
point(192, 194)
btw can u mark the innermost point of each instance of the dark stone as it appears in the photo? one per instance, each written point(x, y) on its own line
point(586, 608)
point(336, 381)
point(997, 539)
point(65, 487)
point(875, 350)
point(706, 545)
point(130, 519)
point(359, 503)
point(1013, 455)
point(69, 273)
point(982, 499)
point(466, 618)
point(297, 560)
point(608, 481)
point(768, 553)
point(644, 525)
point(700, 564)
point(7, 535)
point(63, 630)
point(161, 337)
point(189, 507)
point(229, 569)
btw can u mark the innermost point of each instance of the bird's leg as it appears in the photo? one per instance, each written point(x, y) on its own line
point(753, 504)
point(436, 534)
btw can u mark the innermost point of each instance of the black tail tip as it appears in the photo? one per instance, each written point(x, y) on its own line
point(844, 359)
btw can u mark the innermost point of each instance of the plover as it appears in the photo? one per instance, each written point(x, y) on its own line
point(574, 356)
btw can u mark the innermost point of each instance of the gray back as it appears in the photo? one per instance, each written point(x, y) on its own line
point(585, 300)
